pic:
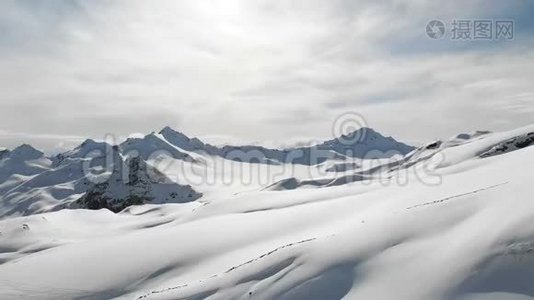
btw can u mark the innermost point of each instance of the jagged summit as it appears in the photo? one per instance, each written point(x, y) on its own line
point(168, 129)
point(181, 140)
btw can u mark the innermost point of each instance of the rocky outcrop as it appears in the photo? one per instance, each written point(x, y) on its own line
point(509, 145)
point(134, 182)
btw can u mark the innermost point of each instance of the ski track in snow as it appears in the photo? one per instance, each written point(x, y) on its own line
point(457, 196)
point(229, 270)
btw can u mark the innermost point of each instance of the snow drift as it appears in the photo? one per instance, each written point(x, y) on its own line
point(462, 229)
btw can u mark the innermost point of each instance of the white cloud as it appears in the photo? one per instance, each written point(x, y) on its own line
point(261, 70)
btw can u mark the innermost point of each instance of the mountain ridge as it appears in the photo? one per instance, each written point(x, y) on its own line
point(96, 174)
point(340, 145)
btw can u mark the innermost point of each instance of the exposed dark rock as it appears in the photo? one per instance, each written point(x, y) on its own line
point(509, 145)
point(134, 182)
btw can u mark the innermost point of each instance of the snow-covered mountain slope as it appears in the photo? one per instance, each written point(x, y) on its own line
point(182, 141)
point(153, 144)
point(134, 182)
point(435, 154)
point(19, 164)
point(462, 229)
point(93, 175)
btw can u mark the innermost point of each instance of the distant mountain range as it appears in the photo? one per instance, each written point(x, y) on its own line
point(99, 175)
point(367, 144)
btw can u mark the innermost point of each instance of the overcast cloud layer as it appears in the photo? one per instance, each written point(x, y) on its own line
point(256, 70)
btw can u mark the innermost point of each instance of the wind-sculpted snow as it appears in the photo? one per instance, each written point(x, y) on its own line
point(399, 233)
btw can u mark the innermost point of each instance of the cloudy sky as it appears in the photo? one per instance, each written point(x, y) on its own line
point(257, 71)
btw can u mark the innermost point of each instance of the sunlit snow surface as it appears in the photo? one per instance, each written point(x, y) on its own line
point(469, 235)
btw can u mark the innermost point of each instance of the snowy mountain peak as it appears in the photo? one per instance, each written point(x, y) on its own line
point(25, 152)
point(361, 142)
point(87, 143)
point(181, 140)
point(90, 144)
point(88, 147)
point(360, 131)
point(152, 144)
point(168, 131)
point(362, 135)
